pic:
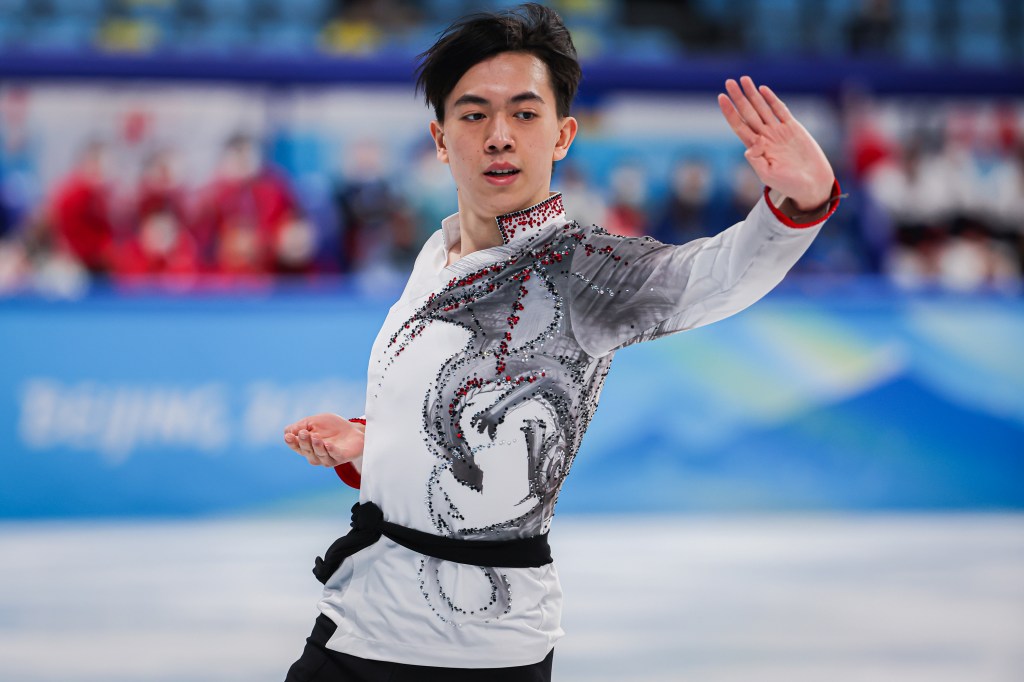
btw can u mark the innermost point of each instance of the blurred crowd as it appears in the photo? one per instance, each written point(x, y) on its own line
point(941, 206)
point(244, 225)
point(965, 31)
point(944, 205)
point(935, 203)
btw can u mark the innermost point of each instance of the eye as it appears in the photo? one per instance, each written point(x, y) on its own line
point(473, 117)
point(526, 115)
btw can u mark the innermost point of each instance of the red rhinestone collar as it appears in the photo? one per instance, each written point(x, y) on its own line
point(517, 223)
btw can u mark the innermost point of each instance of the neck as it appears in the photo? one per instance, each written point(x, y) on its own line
point(478, 229)
point(476, 232)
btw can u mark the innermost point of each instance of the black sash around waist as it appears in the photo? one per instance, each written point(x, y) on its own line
point(368, 525)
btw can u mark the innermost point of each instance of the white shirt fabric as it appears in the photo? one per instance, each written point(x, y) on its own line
point(481, 384)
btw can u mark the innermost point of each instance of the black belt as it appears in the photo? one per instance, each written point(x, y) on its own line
point(368, 525)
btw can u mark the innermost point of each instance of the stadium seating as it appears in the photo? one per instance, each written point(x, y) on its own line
point(972, 32)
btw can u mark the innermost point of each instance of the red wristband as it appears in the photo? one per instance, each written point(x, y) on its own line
point(346, 470)
point(833, 201)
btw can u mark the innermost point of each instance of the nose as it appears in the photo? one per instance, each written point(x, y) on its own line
point(499, 136)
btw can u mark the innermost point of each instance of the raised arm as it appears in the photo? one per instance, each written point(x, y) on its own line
point(626, 290)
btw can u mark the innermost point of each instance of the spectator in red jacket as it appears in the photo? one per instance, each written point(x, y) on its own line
point(80, 211)
point(161, 242)
point(242, 211)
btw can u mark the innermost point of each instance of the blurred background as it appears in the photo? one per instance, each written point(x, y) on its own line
point(207, 207)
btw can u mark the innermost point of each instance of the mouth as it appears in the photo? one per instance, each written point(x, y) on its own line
point(501, 174)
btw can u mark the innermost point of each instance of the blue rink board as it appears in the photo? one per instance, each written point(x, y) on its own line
point(147, 405)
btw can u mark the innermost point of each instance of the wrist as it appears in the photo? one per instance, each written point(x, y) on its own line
point(816, 202)
point(351, 471)
point(790, 214)
point(802, 213)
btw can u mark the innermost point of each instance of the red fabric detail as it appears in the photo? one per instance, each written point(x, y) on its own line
point(788, 222)
point(528, 218)
point(346, 471)
point(349, 476)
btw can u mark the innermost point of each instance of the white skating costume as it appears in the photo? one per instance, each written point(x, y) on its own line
point(481, 384)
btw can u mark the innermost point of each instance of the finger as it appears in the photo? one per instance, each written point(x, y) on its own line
point(293, 442)
point(306, 450)
point(319, 451)
point(305, 444)
point(747, 111)
point(757, 100)
point(735, 121)
point(295, 427)
point(331, 455)
point(759, 164)
point(322, 449)
point(779, 107)
point(755, 152)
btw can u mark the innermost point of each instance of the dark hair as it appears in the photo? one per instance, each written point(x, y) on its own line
point(530, 28)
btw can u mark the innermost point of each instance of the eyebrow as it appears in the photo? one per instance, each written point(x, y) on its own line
point(528, 96)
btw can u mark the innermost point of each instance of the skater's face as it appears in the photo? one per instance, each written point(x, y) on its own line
point(502, 133)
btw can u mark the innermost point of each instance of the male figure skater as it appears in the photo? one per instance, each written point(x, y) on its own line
point(488, 369)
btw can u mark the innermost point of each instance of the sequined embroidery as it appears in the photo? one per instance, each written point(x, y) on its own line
point(525, 385)
point(520, 353)
point(517, 223)
point(474, 438)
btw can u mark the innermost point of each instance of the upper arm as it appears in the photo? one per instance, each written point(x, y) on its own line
point(623, 290)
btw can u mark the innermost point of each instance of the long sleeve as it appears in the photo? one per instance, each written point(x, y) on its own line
point(626, 290)
point(351, 473)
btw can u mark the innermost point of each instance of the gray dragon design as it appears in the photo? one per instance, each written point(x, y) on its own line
point(519, 352)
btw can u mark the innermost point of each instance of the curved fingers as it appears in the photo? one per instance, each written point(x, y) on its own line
point(301, 438)
point(319, 451)
point(295, 427)
point(779, 107)
point(332, 456)
point(743, 105)
point(329, 453)
point(757, 101)
point(305, 443)
point(736, 122)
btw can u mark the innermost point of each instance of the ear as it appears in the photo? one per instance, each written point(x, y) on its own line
point(566, 134)
point(438, 134)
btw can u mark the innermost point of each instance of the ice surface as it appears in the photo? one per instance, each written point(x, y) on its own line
point(933, 598)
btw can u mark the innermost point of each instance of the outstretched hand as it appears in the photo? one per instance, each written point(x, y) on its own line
point(325, 439)
point(779, 149)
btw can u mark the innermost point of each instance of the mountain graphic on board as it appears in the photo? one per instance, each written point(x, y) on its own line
point(897, 446)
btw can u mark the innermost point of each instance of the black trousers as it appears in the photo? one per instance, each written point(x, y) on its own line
point(320, 664)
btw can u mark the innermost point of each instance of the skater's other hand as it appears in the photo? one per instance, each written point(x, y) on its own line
point(326, 439)
point(779, 149)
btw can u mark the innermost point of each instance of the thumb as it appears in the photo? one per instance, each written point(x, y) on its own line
point(758, 163)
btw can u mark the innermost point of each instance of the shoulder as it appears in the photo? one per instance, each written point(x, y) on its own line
point(434, 240)
point(594, 238)
point(431, 248)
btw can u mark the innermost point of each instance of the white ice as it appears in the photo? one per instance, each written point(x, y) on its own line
point(929, 598)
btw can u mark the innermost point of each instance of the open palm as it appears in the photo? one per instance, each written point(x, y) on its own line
point(325, 439)
point(779, 149)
